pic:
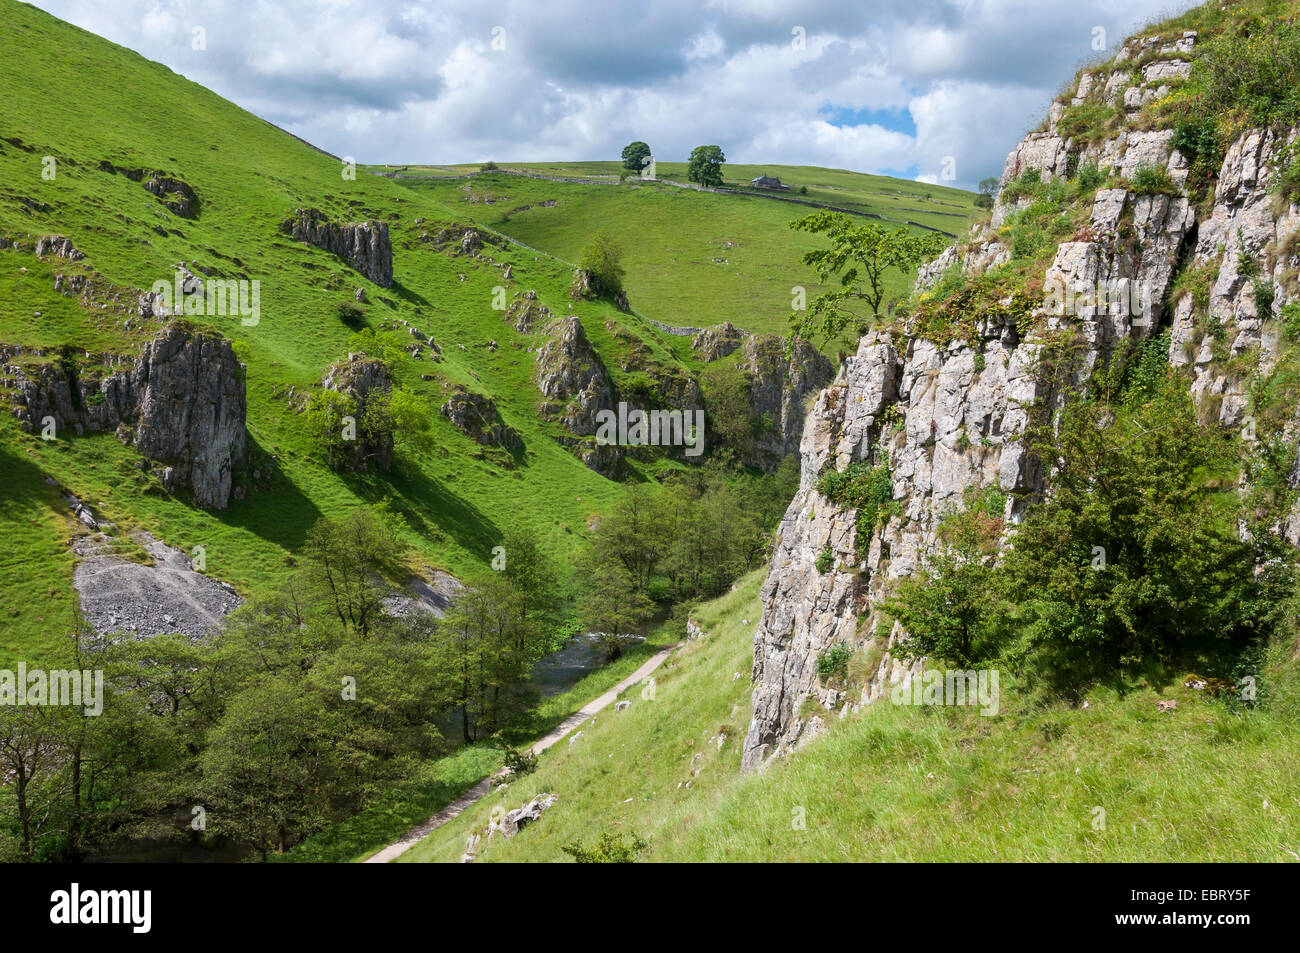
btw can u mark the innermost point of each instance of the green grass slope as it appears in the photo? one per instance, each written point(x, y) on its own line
point(100, 102)
point(904, 783)
point(692, 259)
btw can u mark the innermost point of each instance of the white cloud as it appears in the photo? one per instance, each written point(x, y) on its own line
point(400, 81)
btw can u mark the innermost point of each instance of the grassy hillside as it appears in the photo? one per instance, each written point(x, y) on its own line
point(692, 259)
point(105, 103)
point(908, 783)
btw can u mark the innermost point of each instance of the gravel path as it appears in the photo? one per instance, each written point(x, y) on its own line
point(484, 787)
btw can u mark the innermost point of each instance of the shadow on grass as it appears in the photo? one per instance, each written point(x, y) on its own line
point(429, 507)
point(282, 514)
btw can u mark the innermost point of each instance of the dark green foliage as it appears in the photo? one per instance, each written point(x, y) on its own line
point(861, 486)
point(705, 166)
point(988, 192)
point(1153, 179)
point(634, 156)
point(833, 664)
point(602, 262)
point(1198, 141)
point(351, 314)
point(946, 607)
point(825, 560)
point(1134, 557)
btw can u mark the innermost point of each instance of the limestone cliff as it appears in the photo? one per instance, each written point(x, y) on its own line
point(946, 413)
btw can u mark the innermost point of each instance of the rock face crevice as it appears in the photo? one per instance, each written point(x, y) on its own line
point(182, 405)
point(950, 417)
point(363, 245)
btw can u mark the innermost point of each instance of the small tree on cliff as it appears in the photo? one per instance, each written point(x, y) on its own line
point(860, 258)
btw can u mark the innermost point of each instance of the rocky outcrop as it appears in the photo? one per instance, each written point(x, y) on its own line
point(526, 313)
point(508, 824)
point(477, 417)
point(576, 385)
point(364, 379)
point(178, 196)
point(182, 405)
point(58, 246)
point(947, 417)
point(363, 245)
point(779, 391)
point(715, 343)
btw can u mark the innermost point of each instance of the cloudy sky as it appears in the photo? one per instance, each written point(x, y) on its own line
point(891, 86)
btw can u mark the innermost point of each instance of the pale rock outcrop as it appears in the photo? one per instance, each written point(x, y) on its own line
point(576, 385)
point(363, 245)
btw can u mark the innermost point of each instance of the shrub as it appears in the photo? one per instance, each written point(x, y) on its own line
point(602, 262)
point(863, 487)
point(825, 559)
point(834, 663)
point(611, 848)
point(1198, 141)
point(1152, 179)
point(1264, 295)
point(1089, 176)
point(1291, 321)
point(1026, 183)
point(488, 166)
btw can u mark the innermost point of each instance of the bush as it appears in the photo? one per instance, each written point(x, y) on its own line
point(1026, 183)
point(611, 848)
point(1264, 295)
point(1198, 141)
point(1291, 321)
point(488, 166)
point(825, 559)
point(602, 263)
point(1088, 176)
point(834, 663)
point(1152, 179)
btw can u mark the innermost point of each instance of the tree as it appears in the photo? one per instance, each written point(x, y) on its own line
point(600, 269)
point(988, 193)
point(1135, 556)
point(271, 766)
point(706, 166)
point(946, 606)
point(861, 257)
point(487, 645)
point(634, 155)
point(348, 559)
point(727, 402)
point(612, 605)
